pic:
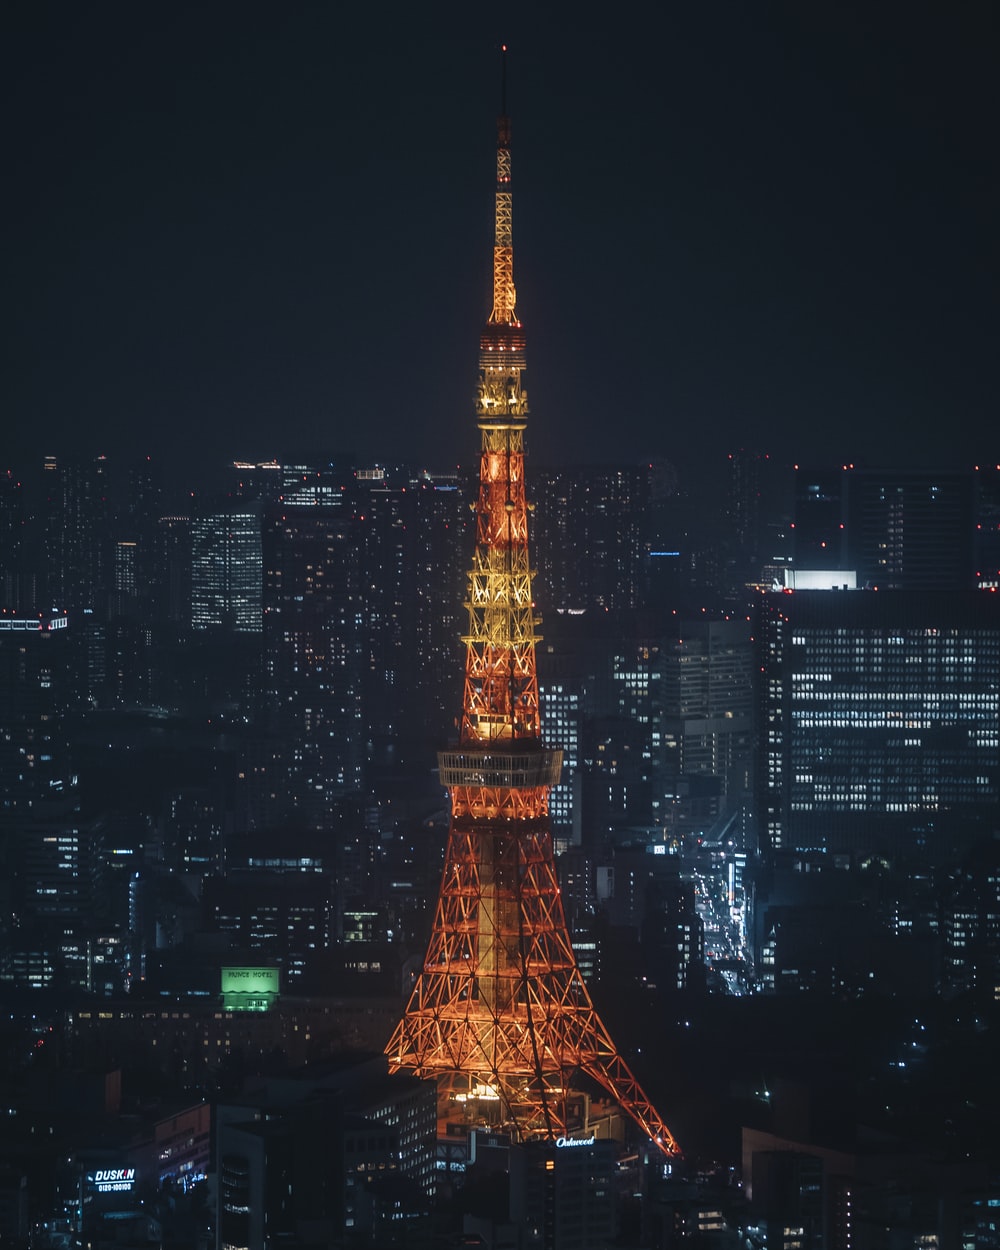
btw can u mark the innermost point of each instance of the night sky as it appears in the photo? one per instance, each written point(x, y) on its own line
point(247, 230)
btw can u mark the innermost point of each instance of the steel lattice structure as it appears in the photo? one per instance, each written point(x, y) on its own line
point(500, 1016)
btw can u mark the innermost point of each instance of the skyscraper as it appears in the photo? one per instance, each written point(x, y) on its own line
point(588, 523)
point(18, 581)
point(226, 569)
point(897, 530)
point(879, 724)
point(313, 666)
point(76, 510)
point(50, 860)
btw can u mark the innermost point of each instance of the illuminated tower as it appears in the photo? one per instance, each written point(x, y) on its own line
point(500, 1015)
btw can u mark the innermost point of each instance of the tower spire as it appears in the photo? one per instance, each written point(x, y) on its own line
point(500, 1015)
point(504, 295)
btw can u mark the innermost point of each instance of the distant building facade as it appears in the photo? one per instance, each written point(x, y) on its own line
point(226, 569)
point(899, 530)
point(340, 1156)
point(587, 530)
point(313, 659)
point(879, 723)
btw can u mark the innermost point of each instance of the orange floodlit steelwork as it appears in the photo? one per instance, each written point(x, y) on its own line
point(500, 1016)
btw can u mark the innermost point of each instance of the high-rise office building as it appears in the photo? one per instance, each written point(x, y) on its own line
point(251, 482)
point(440, 533)
point(51, 861)
point(567, 1192)
point(226, 569)
point(820, 517)
point(171, 580)
point(752, 503)
point(383, 532)
point(743, 502)
point(286, 917)
point(673, 935)
point(897, 530)
point(18, 579)
point(561, 699)
point(589, 522)
point(133, 553)
point(911, 531)
point(35, 695)
point(314, 635)
point(879, 723)
point(77, 511)
point(704, 735)
point(971, 922)
point(987, 527)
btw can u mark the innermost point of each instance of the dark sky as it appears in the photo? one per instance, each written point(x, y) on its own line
point(248, 230)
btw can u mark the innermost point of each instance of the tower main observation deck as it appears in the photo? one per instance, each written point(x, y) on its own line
point(500, 1016)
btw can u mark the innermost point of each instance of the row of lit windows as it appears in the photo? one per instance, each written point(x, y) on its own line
point(804, 691)
point(867, 642)
point(842, 718)
point(855, 805)
point(947, 635)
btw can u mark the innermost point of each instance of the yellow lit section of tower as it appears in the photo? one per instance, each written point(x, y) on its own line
point(501, 685)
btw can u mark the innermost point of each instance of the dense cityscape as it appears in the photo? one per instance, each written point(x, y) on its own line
point(593, 844)
point(775, 832)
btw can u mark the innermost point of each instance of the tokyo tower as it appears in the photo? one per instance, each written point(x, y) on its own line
point(500, 1016)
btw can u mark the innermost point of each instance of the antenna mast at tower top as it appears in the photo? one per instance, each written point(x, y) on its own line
point(504, 294)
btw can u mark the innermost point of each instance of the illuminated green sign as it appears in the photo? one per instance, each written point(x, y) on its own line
point(249, 989)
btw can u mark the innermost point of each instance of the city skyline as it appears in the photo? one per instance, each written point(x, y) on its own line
point(244, 916)
point(764, 230)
